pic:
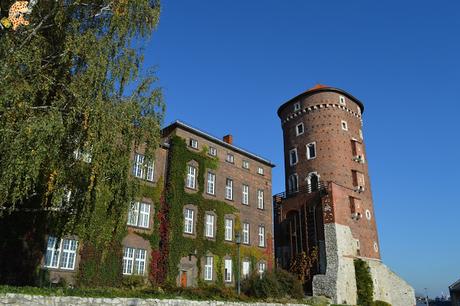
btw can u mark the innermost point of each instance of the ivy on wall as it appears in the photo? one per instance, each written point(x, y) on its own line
point(364, 284)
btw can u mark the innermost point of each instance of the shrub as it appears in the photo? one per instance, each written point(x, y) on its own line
point(364, 285)
point(273, 284)
point(133, 281)
point(381, 303)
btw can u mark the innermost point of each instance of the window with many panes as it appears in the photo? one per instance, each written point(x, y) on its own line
point(228, 271)
point(134, 261)
point(262, 267)
point(191, 177)
point(212, 151)
point(262, 236)
point(246, 233)
point(211, 187)
point(245, 164)
point(293, 157)
point(245, 198)
point(311, 150)
point(141, 169)
point(188, 220)
point(139, 214)
point(260, 199)
point(208, 265)
point(61, 253)
point(229, 189)
point(228, 229)
point(209, 225)
point(193, 143)
point(230, 158)
point(260, 170)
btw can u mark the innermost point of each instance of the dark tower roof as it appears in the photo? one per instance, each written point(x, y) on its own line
point(321, 88)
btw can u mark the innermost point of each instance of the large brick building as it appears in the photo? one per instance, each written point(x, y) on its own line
point(239, 181)
point(328, 201)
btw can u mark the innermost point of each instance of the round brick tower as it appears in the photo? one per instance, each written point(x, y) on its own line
point(323, 145)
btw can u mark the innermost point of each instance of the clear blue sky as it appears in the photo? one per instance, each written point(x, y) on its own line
point(226, 66)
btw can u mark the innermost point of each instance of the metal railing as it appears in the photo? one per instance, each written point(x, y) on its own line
point(309, 188)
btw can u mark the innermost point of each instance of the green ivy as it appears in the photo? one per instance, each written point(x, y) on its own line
point(364, 285)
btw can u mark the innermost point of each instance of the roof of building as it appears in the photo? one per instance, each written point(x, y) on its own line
point(322, 88)
point(209, 137)
point(455, 286)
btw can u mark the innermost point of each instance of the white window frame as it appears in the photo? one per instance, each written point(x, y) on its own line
point(230, 158)
point(208, 266)
point(245, 164)
point(228, 229)
point(212, 151)
point(61, 254)
point(262, 236)
point(246, 233)
point(134, 261)
point(209, 225)
point(245, 268)
point(211, 186)
point(245, 196)
point(342, 101)
point(228, 270)
point(139, 214)
point(296, 106)
point(344, 125)
point(191, 177)
point(262, 267)
point(150, 171)
point(260, 170)
point(138, 167)
point(193, 143)
point(139, 262)
point(188, 220)
point(260, 199)
point(229, 189)
point(313, 144)
point(128, 260)
point(293, 178)
point(291, 162)
point(297, 133)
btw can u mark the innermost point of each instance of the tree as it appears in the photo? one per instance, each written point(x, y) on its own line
point(74, 103)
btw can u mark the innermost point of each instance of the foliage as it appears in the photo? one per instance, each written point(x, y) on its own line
point(302, 263)
point(380, 303)
point(67, 120)
point(364, 284)
point(278, 283)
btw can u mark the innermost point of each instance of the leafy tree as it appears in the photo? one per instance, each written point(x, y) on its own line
point(74, 103)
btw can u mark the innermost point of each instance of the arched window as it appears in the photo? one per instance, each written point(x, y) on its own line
point(313, 182)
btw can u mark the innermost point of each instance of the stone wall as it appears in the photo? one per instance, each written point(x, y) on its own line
point(36, 300)
point(389, 287)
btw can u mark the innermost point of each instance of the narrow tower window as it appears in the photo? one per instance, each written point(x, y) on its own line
point(293, 185)
point(297, 106)
point(342, 100)
point(299, 129)
point(344, 125)
point(293, 157)
point(311, 150)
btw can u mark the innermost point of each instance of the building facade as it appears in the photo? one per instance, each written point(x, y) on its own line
point(327, 205)
point(212, 198)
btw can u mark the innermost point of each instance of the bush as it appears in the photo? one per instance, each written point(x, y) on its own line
point(273, 284)
point(133, 281)
point(364, 284)
point(381, 303)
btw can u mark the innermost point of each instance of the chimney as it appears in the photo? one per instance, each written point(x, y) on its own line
point(228, 139)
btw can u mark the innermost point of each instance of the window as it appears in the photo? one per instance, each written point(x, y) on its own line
point(191, 177)
point(262, 236)
point(260, 199)
point(293, 157)
point(246, 233)
point(376, 247)
point(358, 180)
point(61, 253)
point(296, 106)
point(342, 100)
point(211, 183)
point(260, 170)
point(209, 226)
point(212, 151)
point(208, 268)
point(229, 189)
point(311, 150)
point(228, 229)
point(245, 164)
point(245, 199)
point(299, 129)
point(193, 143)
point(313, 182)
point(245, 269)
point(228, 271)
point(134, 261)
point(188, 221)
point(139, 214)
point(230, 158)
point(361, 134)
point(344, 125)
point(293, 183)
point(262, 267)
point(368, 214)
point(139, 168)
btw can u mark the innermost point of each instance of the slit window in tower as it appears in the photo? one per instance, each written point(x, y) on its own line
point(311, 150)
point(297, 106)
point(293, 185)
point(299, 129)
point(293, 157)
point(344, 125)
point(342, 100)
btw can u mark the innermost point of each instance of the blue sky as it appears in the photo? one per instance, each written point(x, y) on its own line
point(226, 66)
